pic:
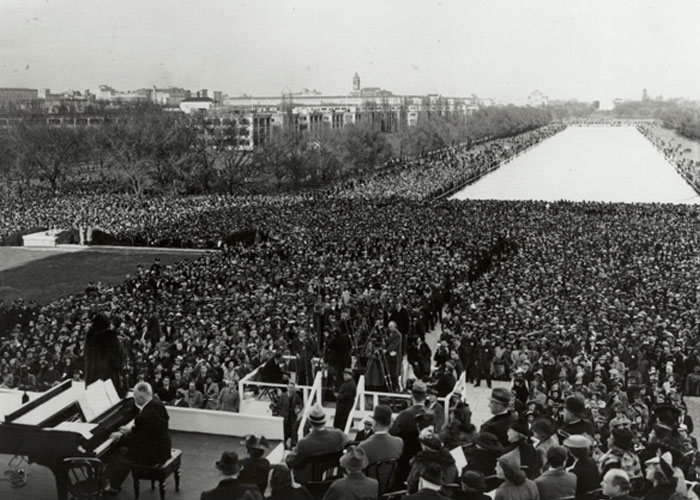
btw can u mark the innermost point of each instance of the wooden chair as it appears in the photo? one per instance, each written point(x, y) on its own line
point(322, 471)
point(85, 477)
point(384, 472)
point(394, 495)
point(159, 472)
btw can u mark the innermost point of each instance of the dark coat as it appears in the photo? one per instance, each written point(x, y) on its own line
point(587, 476)
point(255, 471)
point(425, 457)
point(498, 426)
point(232, 489)
point(289, 493)
point(149, 441)
point(425, 494)
point(480, 460)
point(103, 357)
point(344, 402)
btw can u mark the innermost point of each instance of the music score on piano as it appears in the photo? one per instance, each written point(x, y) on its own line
point(67, 421)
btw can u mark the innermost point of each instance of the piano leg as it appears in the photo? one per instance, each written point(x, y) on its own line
point(62, 483)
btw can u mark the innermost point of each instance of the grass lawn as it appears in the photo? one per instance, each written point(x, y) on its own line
point(43, 275)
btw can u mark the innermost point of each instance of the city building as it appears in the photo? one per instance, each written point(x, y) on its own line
point(537, 99)
point(109, 94)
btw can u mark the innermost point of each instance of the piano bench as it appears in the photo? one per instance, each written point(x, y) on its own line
point(159, 473)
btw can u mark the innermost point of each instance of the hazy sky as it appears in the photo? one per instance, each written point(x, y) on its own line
point(585, 49)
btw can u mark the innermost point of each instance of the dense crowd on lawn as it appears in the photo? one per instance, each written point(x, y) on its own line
point(443, 171)
point(588, 308)
point(675, 152)
point(207, 221)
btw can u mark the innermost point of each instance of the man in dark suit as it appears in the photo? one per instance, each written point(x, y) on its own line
point(271, 372)
point(381, 445)
point(394, 352)
point(502, 419)
point(230, 486)
point(320, 441)
point(146, 443)
point(585, 468)
point(344, 399)
point(575, 421)
point(405, 427)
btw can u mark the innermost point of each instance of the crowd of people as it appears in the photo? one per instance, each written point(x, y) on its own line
point(675, 152)
point(443, 171)
point(591, 309)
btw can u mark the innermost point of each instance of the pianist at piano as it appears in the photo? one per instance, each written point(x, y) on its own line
point(145, 442)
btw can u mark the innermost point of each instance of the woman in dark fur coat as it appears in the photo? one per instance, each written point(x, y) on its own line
point(103, 354)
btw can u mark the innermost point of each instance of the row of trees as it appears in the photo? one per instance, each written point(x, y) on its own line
point(682, 116)
point(154, 151)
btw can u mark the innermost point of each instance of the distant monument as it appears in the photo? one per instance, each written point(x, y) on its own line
point(356, 82)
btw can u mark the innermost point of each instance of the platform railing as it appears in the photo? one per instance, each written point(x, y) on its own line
point(357, 405)
point(315, 395)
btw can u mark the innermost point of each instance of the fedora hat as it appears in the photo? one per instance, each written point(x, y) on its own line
point(256, 442)
point(544, 427)
point(419, 387)
point(355, 459)
point(577, 441)
point(500, 395)
point(473, 482)
point(488, 441)
point(317, 415)
point(576, 406)
point(229, 463)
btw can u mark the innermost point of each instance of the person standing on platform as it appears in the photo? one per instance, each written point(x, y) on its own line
point(103, 354)
point(484, 357)
point(344, 399)
point(394, 353)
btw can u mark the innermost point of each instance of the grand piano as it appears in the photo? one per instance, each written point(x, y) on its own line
point(62, 423)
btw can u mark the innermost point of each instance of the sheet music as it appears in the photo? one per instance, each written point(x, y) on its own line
point(111, 392)
point(85, 407)
point(460, 459)
point(97, 397)
point(85, 429)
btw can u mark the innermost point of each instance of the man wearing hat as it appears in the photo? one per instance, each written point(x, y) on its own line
point(345, 398)
point(355, 484)
point(482, 454)
point(429, 484)
point(381, 445)
point(545, 437)
point(230, 486)
point(405, 427)
point(433, 406)
point(575, 418)
point(473, 487)
point(502, 417)
point(585, 468)
point(320, 441)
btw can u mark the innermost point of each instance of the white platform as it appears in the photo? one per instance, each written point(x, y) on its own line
point(42, 239)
